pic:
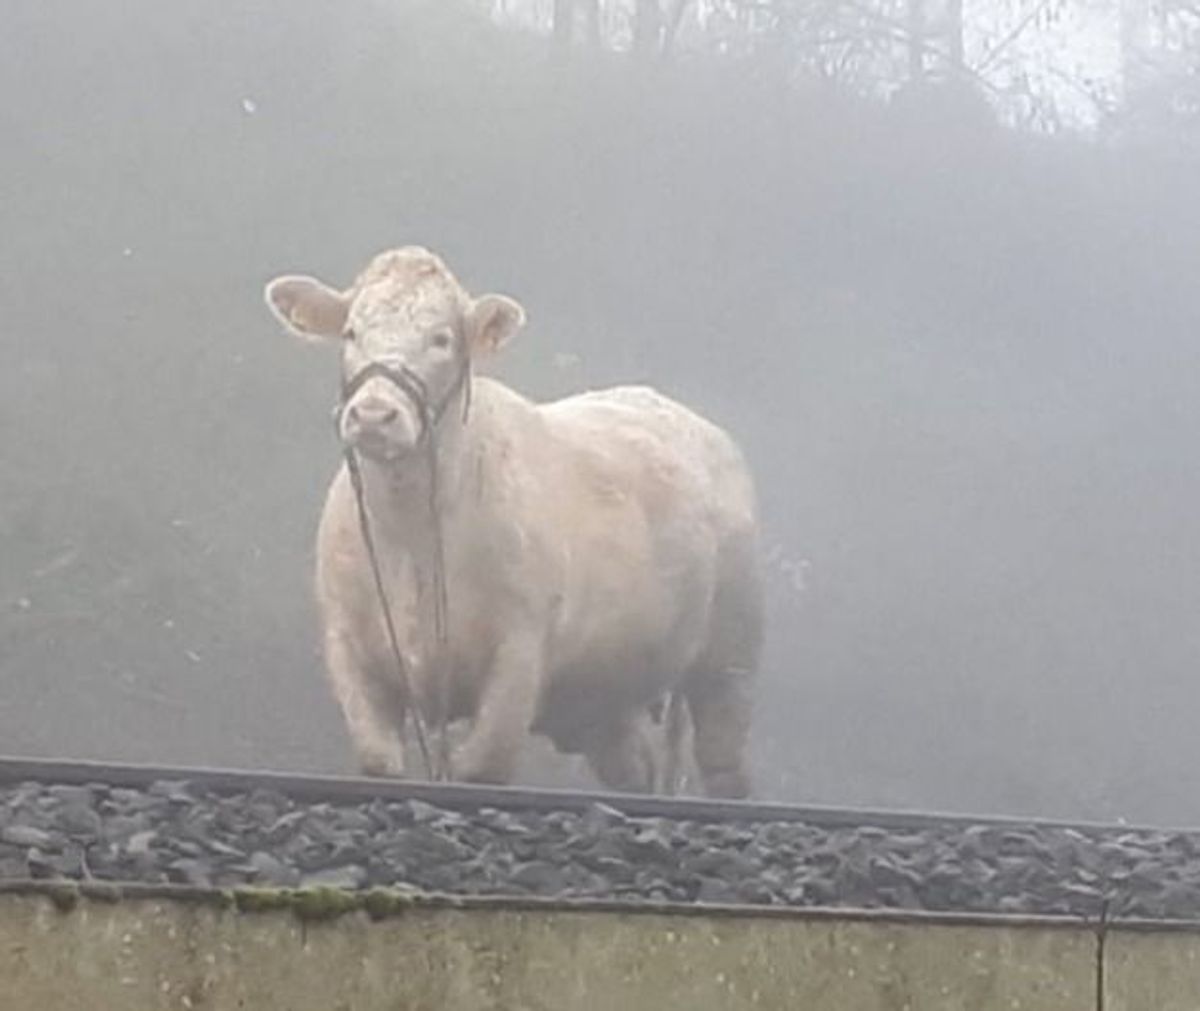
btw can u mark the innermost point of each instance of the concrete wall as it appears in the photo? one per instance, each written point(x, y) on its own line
point(1153, 971)
point(144, 953)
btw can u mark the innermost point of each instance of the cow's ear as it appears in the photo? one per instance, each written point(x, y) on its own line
point(491, 321)
point(307, 307)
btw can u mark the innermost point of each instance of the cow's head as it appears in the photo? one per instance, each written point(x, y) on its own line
point(408, 333)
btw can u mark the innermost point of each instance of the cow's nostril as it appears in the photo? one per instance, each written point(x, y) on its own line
point(388, 415)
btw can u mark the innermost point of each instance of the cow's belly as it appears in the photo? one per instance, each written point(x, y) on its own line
point(580, 706)
point(621, 654)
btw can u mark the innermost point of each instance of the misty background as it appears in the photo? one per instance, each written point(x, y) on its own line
point(959, 344)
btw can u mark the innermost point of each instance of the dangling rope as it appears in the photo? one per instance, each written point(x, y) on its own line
point(441, 602)
point(441, 619)
point(415, 389)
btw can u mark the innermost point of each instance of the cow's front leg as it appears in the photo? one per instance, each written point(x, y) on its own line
point(372, 707)
point(506, 710)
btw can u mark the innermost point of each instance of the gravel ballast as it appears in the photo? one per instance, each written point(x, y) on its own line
point(181, 833)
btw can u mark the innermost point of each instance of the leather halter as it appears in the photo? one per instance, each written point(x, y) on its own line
point(413, 387)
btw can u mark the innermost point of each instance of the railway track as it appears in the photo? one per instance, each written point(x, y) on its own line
point(216, 828)
point(465, 797)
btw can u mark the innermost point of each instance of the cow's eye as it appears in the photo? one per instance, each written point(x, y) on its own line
point(441, 341)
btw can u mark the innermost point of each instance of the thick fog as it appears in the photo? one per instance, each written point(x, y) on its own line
point(964, 362)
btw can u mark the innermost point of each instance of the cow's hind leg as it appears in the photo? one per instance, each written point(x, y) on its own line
point(720, 688)
point(622, 756)
point(372, 708)
point(720, 703)
point(676, 715)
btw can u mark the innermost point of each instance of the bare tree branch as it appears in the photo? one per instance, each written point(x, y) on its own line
point(564, 23)
point(647, 29)
point(1017, 30)
point(674, 20)
point(591, 10)
point(916, 37)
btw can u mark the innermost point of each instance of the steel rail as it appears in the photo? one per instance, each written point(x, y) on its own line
point(459, 797)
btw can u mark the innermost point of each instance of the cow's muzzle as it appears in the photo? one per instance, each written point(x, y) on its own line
point(381, 429)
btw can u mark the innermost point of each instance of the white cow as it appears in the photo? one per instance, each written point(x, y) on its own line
point(599, 551)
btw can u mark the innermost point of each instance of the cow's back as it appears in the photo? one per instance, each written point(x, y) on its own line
point(649, 440)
